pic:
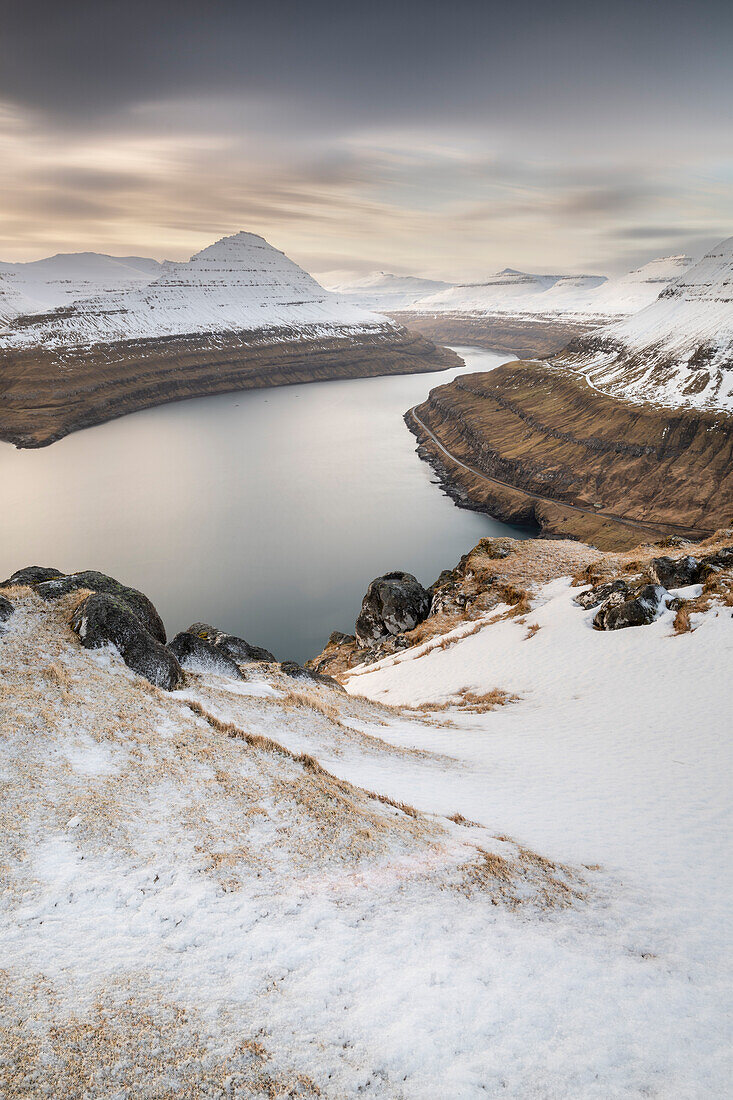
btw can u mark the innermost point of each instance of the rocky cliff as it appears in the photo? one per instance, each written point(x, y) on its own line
point(531, 442)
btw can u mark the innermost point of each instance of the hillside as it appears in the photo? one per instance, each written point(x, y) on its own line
point(238, 314)
point(42, 285)
point(529, 315)
point(486, 868)
point(383, 291)
point(678, 351)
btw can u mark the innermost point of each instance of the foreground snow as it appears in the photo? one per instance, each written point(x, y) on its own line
point(212, 899)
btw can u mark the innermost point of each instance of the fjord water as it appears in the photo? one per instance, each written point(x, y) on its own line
point(266, 513)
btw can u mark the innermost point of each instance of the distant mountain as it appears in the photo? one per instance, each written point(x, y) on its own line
point(519, 292)
point(631, 292)
point(240, 283)
point(238, 314)
point(382, 290)
point(42, 285)
point(676, 351)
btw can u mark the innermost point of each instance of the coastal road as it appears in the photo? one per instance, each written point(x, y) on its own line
point(597, 513)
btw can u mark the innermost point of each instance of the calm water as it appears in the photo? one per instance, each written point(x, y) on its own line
point(266, 513)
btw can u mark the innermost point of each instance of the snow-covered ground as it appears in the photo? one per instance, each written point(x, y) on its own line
point(240, 283)
point(679, 349)
point(160, 861)
point(41, 285)
point(519, 293)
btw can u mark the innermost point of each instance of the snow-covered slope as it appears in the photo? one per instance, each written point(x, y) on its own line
point(214, 890)
point(519, 293)
point(384, 291)
point(507, 291)
point(42, 285)
point(240, 283)
point(631, 292)
point(676, 351)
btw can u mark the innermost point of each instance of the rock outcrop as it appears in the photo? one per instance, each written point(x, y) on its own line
point(393, 603)
point(136, 602)
point(197, 655)
point(102, 620)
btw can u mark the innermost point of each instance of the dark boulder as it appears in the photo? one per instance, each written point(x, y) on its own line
point(102, 619)
point(719, 559)
point(6, 610)
point(393, 603)
point(135, 601)
point(297, 672)
point(675, 572)
point(337, 638)
point(616, 612)
point(237, 648)
point(197, 655)
point(32, 575)
point(600, 592)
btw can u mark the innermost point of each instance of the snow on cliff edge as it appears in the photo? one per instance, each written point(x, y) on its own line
point(240, 283)
point(677, 351)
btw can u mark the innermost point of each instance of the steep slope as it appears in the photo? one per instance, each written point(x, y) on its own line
point(678, 351)
point(423, 887)
point(238, 314)
point(629, 293)
point(42, 285)
point(628, 427)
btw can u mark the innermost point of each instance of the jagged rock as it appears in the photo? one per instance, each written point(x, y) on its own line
point(198, 655)
point(32, 575)
point(103, 619)
point(297, 672)
point(6, 610)
point(600, 592)
point(719, 559)
point(135, 601)
point(338, 638)
point(393, 603)
point(237, 648)
point(675, 572)
point(616, 612)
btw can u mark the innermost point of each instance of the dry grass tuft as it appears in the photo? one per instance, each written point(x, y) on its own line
point(682, 624)
point(527, 879)
point(532, 629)
point(459, 819)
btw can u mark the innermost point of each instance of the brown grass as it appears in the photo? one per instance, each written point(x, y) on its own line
point(525, 879)
point(532, 629)
point(304, 759)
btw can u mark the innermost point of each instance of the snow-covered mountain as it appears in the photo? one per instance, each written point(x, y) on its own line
point(631, 292)
point(520, 293)
point(676, 351)
point(46, 284)
point(382, 290)
point(240, 283)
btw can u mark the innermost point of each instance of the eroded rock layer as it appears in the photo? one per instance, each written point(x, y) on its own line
point(529, 442)
point(47, 393)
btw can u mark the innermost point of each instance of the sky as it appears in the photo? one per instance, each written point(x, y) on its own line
point(442, 139)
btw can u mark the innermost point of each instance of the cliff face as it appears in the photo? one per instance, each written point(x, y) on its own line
point(531, 442)
point(48, 393)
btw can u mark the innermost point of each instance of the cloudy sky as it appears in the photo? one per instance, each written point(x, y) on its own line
point(446, 139)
